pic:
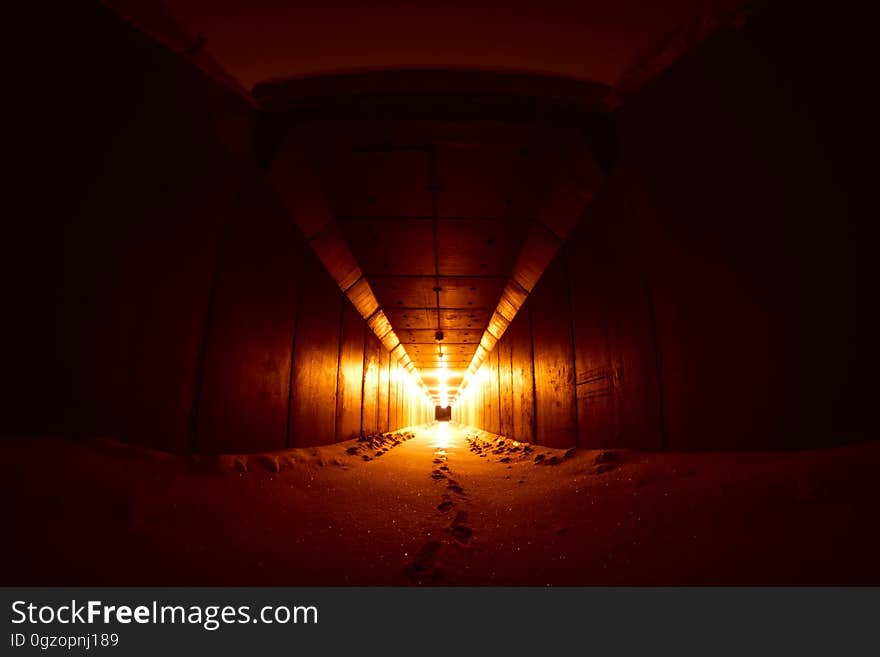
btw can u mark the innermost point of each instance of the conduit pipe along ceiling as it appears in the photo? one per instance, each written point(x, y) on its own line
point(435, 199)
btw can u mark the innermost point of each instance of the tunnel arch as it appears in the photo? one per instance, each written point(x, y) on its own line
point(635, 284)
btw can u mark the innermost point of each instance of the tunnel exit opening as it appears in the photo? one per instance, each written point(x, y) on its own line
point(442, 413)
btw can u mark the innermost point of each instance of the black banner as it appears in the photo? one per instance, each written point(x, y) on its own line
point(229, 621)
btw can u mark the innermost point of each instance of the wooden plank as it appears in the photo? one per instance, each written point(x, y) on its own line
point(350, 377)
point(373, 354)
point(393, 392)
point(316, 354)
point(246, 379)
point(384, 390)
point(555, 403)
point(505, 380)
point(596, 395)
point(495, 392)
point(520, 337)
point(617, 383)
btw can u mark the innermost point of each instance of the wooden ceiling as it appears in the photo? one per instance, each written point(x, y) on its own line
point(435, 195)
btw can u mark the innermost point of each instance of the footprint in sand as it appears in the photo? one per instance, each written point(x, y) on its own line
point(422, 569)
point(455, 487)
point(460, 532)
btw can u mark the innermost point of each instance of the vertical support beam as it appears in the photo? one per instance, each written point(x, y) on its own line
point(299, 305)
point(338, 369)
point(534, 383)
point(563, 253)
point(200, 364)
point(363, 385)
point(658, 361)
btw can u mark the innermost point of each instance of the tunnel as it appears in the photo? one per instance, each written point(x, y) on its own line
point(597, 309)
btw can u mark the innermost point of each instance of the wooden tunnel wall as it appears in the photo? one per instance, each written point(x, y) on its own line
point(721, 291)
point(155, 290)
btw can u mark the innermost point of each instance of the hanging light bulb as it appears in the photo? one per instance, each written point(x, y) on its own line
point(442, 373)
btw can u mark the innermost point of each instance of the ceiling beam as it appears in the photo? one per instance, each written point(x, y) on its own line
point(569, 196)
point(299, 189)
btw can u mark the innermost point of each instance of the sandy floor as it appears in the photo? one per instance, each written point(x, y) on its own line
point(442, 507)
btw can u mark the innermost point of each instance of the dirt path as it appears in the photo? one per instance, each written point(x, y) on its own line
point(448, 533)
point(437, 505)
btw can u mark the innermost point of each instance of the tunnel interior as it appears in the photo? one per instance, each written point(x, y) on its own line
point(624, 328)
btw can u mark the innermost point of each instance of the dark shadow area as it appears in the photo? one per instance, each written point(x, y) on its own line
point(458, 326)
